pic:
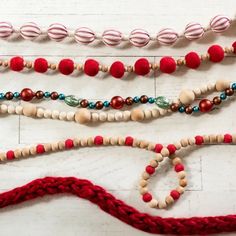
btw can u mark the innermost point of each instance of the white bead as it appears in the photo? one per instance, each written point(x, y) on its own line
point(204, 89)
point(84, 35)
point(55, 114)
point(139, 37)
point(47, 113)
point(193, 31)
point(110, 117)
point(102, 116)
point(4, 108)
point(95, 117)
point(111, 37)
point(167, 36)
point(155, 112)
point(62, 115)
point(211, 87)
point(19, 110)
point(147, 114)
point(11, 109)
point(197, 92)
point(153, 203)
point(118, 116)
point(57, 32)
point(163, 112)
point(70, 116)
point(6, 29)
point(30, 31)
point(40, 112)
point(126, 115)
point(220, 23)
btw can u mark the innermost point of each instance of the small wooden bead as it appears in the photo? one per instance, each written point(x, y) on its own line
point(221, 85)
point(62, 115)
point(3, 156)
point(145, 175)
point(143, 144)
point(55, 146)
point(169, 200)
point(47, 147)
point(33, 150)
point(102, 116)
point(212, 138)
point(40, 112)
point(180, 189)
point(106, 141)
point(165, 152)
point(197, 92)
point(186, 97)
point(84, 142)
point(151, 146)
point(176, 161)
point(126, 115)
point(158, 157)
point(147, 114)
point(47, 113)
point(29, 110)
point(11, 109)
point(61, 145)
point(184, 142)
point(162, 204)
point(137, 115)
point(206, 138)
point(4, 108)
point(76, 142)
point(19, 110)
point(136, 143)
point(114, 141)
point(153, 203)
point(55, 114)
point(90, 141)
point(95, 117)
point(83, 116)
point(25, 152)
point(70, 116)
point(143, 190)
point(183, 182)
point(121, 141)
point(220, 138)
point(211, 87)
point(143, 183)
point(181, 174)
point(204, 89)
point(110, 117)
point(17, 153)
point(178, 145)
point(155, 112)
point(118, 116)
point(163, 112)
point(153, 163)
point(191, 141)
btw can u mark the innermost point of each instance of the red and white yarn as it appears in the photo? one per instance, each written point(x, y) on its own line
point(6, 29)
point(220, 23)
point(30, 31)
point(57, 32)
point(167, 36)
point(139, 37)
point(193, 31)
point(112, 37)
point(84, 35)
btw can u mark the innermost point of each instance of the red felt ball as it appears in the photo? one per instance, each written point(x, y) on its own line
point(26, 94)
point(117, 69)
point(98, 140)
point(150, 170)
point(192, 60)
point(234, 46)
point(179, 167)
point(91, 67)
point(40, 149)
point(228, 138)
point(175, 194)
point(10, 155)
point(199, 140)
point(171, 148)
point(66, 66)
point(205, 105)
point(216, 53)
point(69, 144)
point(129, 141)
point(158, 148)
point(142, 66)
point(117, 102)
point(17, 63)
point(167, 65)
point(40, 65)
point(147, 197)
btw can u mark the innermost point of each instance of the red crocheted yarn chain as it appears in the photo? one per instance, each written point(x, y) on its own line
point(117, 208)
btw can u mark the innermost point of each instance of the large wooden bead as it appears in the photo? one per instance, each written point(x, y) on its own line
point(186, 96)
point(29, 110)
point(222, 84)
point(83, 116)
point(137, 115)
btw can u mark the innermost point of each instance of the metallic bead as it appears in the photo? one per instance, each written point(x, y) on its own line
point(195, 109)
point(47, 94)
point(61, 96)
point(72, 101)
point(233, 86)
point(223, 96)
point(106, 104)
point(16, 95)
point(91, 105)
point(2, 95)
point(136, 99)
point(181, 109)
point(162, 102)
point(151, 100)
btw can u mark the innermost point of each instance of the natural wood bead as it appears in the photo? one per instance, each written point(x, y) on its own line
point(151, 146)
point(55, 146)
point(29, 110)
point(191, 141)
point(153, 203)
point(3, 156)
point(47, 113)
point(178, 145)
point(102, 116)
point(143, 144)
point(76, 142)
point(162, 204)
point(55, 114)
point(11, 109)
point(90, 141)
point(84, 142)
point(121, 141)
point(184, 142)
point(40, 112)
point(136, 142)
point(95, 117)
point(155, 112)
point(106, 141)
point(153, 163)
point(62, 115)
point(143, 183)
point(17, 153)
point(137, 115)
point(126, 115)
point(181, 174)
point(180, 189)
point(143, 190)
point(33, 150)
point(114, 141)
point(61, 145)
point(70, 116)
point(19, 110)
point(220, 138)
point(110, 117)
point(163, 112)
point(176, 161)
point(158, 157)
point(118, 116)
point(165, 152)
point(183, 182)
point(145, 175)
point(197, 92)
point(204, 89)
point(222, 84)
point(206, 138)
point(25, 152)
point(234, 138)
point(147, 113)
point(186, 96)
point(169, 200)
point(212, 138)
point(211, 87)
point(82, 116)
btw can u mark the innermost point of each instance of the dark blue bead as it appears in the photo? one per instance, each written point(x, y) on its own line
point(47, 94)
point(91, 105)
point(151, 100)
point(2, 95)
point(136, 99)
point(233, 86)
point(195, 108)
point(223, 96)
point(106, 104)
point(181, 109)
point(61, 96)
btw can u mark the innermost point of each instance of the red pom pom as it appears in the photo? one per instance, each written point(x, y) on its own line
point(171, 148)
point(66, 66)
point(234, 46)
point(26, 94)
point(17, 63)
point(147, 197)
point(150, 170)
point(142, 66)
point(158, 148)
point(69, 144)
point(205, 105)
point(227, 138)
point(40, 65)
point(10, 155)
point(40, 149)
point(192, 60)
point(179, 167)
point(91, 67)
point(167, 65)
point(199, 140)
point(98, 140)
point(216, 53)
point(117, 69)
point(129, 141)
point(175, 194)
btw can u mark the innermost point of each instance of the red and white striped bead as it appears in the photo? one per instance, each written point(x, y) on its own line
point(112, 37)
point(30, 31)
point(57, 32)
point(193, 31)
point(84, 35)
point(167, 36)
point(6, 29)
point(139, 37)
point(220, 23)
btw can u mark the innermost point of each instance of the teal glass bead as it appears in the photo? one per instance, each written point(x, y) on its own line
point(162, 102)
point(181, 109)
point(106, 104)
point(151, 100)
point(2, 95)
point(136, 99)
point(233, 86)
point(91, 105)
point(223, 96)
point(195, 108)
point(61, 96)
point(72, 101)
point(47, 94)
point(16, 95)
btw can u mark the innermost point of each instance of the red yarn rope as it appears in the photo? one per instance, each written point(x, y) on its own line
point(115, 207)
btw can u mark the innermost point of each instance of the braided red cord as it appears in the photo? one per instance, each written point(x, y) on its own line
point(115, 207)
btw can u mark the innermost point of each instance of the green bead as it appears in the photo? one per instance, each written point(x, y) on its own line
point(162, 102)
point(72, 101)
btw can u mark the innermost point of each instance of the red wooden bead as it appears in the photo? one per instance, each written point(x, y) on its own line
point(167, 65)
point(234, 46)
point(10, 155)
point(66, 66)
point(147, 197)
point(117, 102)
point(69, 144)
point(192, 60)
point(175, 194)
point(228, 138)
point(17, 63)
point(129, 141)
point(216, 53)
point(40, 149)
point(150, 170)
point(40, 65)
point(91, 67)
point(205, 105)
point(171, 148)
point(98, 140)
point(158, 148)
point(179, 167)
point(117, 69)
point(142, 66)
point(26, 94)
point(199, 140)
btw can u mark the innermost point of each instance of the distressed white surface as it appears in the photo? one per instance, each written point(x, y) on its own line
point(211, 170)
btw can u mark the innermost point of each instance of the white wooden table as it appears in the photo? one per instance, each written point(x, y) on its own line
point(211, 170)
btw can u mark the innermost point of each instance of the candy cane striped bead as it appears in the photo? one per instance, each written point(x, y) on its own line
point(167, 36)
point(112, 37)
point(84, 35)
point(30, 31)
point(57, 32)
point(139, 37)
point(193, 31)
point(6, 29)
point(220, 23)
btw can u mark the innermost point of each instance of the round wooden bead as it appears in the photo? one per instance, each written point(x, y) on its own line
point(221, 85)
point(82, 116)
point(137, 115)
point(30, 31)
point(186, 97)
point(153, 203)
point(6, 29)
point(167, 36)
point(193, 31)
point(139, 37)
point(169, 200)
point(84, 35)
point(29, 110)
